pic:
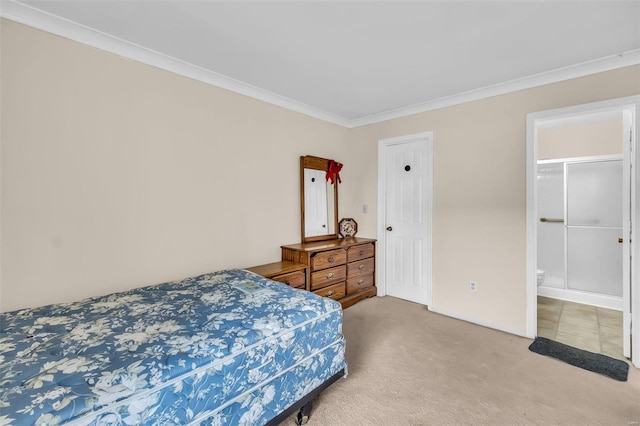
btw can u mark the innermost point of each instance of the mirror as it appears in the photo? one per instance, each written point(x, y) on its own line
point(318, 200)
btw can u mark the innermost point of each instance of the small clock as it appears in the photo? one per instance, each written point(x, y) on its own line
point(347, 227)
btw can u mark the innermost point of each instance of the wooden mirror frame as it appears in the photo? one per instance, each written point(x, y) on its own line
point(317, 163)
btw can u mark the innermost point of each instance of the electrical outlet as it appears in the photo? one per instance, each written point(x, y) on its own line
point(473, 286)
point(365, 208)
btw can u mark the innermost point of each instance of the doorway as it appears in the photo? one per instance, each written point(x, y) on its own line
point(569, 282)
point(405, 188)
point(579, 256)
point(579, 241)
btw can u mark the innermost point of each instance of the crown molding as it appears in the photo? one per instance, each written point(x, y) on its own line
point(53, 24)
point(36, 18)
point(608, 63)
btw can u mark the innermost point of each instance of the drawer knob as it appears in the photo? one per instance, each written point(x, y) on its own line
point(361, 252)
point(331, 259)
point(361, 267)
point(330, 275)
point(330, 293)
point(360, 281)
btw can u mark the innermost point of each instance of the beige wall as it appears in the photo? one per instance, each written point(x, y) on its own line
point(116, 174)
point(581, 140)
point(479, 191)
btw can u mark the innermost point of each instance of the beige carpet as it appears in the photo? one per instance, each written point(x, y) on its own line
point(408, 366)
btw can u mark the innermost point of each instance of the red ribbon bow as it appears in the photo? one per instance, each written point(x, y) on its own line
point(334, 171)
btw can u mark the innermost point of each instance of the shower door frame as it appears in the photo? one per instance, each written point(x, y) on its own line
point(629, 108)
point(566, 293)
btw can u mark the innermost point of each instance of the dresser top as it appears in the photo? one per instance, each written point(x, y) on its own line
point(328, 244)
point(277, 268)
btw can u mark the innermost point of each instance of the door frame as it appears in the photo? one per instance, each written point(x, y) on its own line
point(629, 108)
point(383, 144)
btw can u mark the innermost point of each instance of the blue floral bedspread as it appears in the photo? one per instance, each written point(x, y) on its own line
point(204, 350)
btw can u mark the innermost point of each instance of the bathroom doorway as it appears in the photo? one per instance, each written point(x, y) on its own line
point(579, 194)
point(579, 240)
point(579, 247)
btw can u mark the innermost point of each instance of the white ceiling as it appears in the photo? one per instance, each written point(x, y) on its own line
point(356, 62)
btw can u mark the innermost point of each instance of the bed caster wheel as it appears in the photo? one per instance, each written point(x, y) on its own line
point(302, 419)
point(304, 413)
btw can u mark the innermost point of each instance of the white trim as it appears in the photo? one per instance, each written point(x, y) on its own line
point(45, 21)
point(499, 327)
point(381, 282)
point(592, 158)
point(632, 104)
point(635, 246)
point(580, 120)
point(602, 300)
point(42, 20)
point(574, 71)
point(531, 228)
point(627, 265)
point(382, 200)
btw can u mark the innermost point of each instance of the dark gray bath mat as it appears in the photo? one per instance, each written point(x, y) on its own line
point(614, 368)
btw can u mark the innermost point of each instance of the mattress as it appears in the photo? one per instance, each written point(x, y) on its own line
point(228, 347)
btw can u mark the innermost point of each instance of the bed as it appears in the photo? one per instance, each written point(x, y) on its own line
point(223, 348)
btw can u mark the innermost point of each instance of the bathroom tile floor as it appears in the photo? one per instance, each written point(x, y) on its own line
point(586, 327)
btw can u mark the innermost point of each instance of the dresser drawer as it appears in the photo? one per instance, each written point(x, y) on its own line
point(294, 279)
point(356, 253)
point(327, 259)
point(356, 284)
point(327, 277)
point(336, 291)
point(341, 268)
point(363, 267)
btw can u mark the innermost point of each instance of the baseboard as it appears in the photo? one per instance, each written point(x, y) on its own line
point(517, 332)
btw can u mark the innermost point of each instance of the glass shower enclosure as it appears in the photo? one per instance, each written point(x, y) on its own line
point(580, 230)
point(594, 226)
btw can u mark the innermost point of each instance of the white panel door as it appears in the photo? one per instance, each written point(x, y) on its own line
point(407, 239)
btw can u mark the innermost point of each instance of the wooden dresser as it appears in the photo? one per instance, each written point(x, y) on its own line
point(290, 273)
point(343, 268)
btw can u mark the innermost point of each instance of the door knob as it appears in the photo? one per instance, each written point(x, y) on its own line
point(389, 228)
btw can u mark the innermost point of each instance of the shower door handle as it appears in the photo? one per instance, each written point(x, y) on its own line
point(548, 219)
